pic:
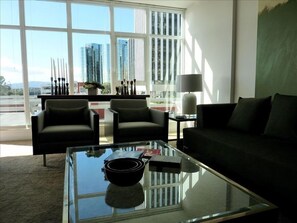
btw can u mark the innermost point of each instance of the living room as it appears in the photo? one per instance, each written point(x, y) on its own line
point(222, 41)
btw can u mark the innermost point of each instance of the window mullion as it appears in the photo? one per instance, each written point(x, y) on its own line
point(114, 79)
point(24, 61)
point(70, 49)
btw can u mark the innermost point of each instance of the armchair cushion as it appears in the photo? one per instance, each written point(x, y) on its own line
point(67, 116)
point(136, 129)
point(250, 114)
point(62, 133)
point(134, 114)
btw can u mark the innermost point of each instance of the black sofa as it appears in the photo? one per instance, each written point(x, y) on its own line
point(253, 142)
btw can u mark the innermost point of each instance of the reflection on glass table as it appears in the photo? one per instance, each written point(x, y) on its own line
point(196, 193)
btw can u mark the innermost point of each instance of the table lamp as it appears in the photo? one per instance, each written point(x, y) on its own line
point(189, 83)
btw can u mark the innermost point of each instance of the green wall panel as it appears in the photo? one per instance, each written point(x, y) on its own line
point(276, 69)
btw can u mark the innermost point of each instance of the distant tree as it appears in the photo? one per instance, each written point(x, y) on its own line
point(2, 80)
point(106, 89)
point(4, 88)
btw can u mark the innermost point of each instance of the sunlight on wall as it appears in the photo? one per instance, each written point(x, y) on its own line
point(198, 56)
point(208, 83)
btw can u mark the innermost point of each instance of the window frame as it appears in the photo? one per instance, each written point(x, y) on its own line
point(22, 27)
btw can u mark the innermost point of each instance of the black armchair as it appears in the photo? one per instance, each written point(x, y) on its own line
point(64, 123)
point(130, 120)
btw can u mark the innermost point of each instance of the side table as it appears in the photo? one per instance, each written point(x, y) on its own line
point(178, 119)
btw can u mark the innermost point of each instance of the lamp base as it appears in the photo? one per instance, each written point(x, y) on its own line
point(189, 103)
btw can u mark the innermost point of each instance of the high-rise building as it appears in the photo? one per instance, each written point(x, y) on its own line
point(94, 62)
point(123, 59)
point(95, 59)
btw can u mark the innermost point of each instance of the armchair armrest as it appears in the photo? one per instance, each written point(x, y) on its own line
point(94, 119)
point(111, 123)
point(214, 115)
point(37, 121)
point(37, 124)
point(161, 118)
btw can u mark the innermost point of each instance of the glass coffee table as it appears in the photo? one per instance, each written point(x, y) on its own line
point(189, 192)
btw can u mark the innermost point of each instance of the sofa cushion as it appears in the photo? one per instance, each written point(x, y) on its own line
point(134, 114)
point(67, 116)
point(250, 115)
point(282, 122)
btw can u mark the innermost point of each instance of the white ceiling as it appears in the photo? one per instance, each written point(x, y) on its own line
point(170, 3)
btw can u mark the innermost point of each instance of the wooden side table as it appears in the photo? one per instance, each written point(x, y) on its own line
point(178, 119)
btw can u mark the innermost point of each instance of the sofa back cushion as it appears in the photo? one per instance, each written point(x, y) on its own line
point(134, 114)
point(282, 122)
point(250, 115)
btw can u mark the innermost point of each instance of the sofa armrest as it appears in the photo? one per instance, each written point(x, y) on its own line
point(111, 123)
point(214, 115)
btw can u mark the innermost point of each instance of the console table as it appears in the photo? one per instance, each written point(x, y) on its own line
point(104, 97)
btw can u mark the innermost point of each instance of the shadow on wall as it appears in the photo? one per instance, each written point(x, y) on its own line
point(277, 50)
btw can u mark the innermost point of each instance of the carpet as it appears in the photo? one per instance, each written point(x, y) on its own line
point(30, 192)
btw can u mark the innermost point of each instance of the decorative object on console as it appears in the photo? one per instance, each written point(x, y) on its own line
point(189, 83)
point(125, 89)
point(92, 87)
point(60, 84)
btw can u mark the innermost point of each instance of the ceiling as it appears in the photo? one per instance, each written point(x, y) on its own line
point(169, 3)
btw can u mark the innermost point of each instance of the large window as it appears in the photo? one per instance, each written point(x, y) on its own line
point(96, 41)
point(165, 48)
point(91, 59)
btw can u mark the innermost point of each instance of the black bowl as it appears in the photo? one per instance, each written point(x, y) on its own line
point(124, 171)
point(124, 164)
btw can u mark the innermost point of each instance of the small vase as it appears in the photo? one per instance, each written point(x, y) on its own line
point(92, 91)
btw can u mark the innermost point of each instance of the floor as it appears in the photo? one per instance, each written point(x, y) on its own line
point(24, 148)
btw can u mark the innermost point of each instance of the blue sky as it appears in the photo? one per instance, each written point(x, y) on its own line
point(43, 45)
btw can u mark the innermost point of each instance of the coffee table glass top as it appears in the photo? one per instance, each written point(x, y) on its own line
point(189, 193)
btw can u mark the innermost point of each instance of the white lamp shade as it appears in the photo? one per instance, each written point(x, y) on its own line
point(189, 83)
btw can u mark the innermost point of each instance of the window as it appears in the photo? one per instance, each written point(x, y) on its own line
point(90, 17)
point(130, 59)
point(11, 79)
point(9, 13)
point(92, 44)
point(165, 36)
point(91, 60)
point(45, 14)
point(130, 20)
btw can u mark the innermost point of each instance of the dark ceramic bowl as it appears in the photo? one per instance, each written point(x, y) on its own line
point(124, 171)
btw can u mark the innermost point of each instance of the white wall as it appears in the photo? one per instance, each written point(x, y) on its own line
point(246, 48)
point(208, 47)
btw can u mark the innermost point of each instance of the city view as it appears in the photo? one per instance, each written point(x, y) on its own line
point(95, 52)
